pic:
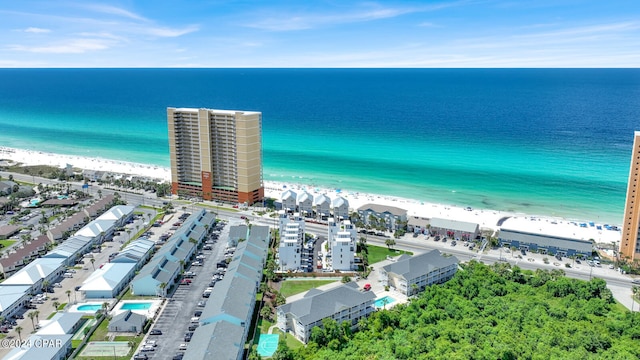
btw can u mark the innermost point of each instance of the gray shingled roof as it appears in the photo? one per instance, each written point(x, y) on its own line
point(220, 341)
point(317, 305)
point(414, 266)
point(238, 232)
point(383, 208)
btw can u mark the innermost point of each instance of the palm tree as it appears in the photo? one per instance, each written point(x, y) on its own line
point(32, 316)
point(105, 306)
point(37, 312)
point(56, 305)
point(68, 292)
point(93, 261)
point(19, 331)
point(45, 285)
point(162, 287)
point(129, 234)
point(635, 291)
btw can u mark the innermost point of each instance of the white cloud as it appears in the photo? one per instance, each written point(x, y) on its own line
point(72, 46)
point(36, 30)
point(168, 32)
point(289, 22)
point(108, 9)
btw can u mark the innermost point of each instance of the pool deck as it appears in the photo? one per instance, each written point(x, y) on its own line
point(74, 307)
point(149, 313)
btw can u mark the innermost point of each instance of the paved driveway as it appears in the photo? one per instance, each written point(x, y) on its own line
point(175, 316)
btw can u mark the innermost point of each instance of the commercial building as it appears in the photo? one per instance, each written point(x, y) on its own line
point(412, 274)
point(216, 154)
point(345, 303)
point(534, 234)
point(454, 229)
point(630, 242)
point(291, 239)
point(342, 242)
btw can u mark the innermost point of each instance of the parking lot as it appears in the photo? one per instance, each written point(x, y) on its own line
point(176, 315)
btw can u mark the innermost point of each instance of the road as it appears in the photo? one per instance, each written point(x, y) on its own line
point(620, 284)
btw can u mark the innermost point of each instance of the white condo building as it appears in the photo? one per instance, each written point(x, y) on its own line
point(342, 241)
point(291, 238)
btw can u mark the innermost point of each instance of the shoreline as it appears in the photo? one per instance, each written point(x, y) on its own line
point(486, 218)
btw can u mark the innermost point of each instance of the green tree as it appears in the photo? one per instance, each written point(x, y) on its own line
point(283, 352)
point(19, 331)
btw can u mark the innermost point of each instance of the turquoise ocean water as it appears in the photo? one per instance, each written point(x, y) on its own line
point(540, 141)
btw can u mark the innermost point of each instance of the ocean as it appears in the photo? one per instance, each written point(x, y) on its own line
point(540, 141)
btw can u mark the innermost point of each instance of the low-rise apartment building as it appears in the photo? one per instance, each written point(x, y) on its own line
point(345, 303)
point(412, 274)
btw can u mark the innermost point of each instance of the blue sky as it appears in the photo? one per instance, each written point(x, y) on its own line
point(331, 33)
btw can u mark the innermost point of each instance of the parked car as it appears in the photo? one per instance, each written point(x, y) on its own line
point(183, 346)
point(178, 356)
point(140, 356)
point(155, 332)
point(202, 303)
point(193, 327)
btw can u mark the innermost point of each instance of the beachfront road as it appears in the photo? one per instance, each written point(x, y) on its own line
point(618, 283)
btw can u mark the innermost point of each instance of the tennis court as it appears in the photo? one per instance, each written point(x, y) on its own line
point(106, 348)
point(268, 344)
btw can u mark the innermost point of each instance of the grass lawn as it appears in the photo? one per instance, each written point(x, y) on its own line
point(292, 287)
point(61, 306)
point(101, 332)
point(379, 253)
point(264, 326)
point(6, 243)
point(52, 315)
point(129, 296)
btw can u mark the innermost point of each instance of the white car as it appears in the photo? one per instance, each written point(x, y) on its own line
point(150, 343)
point(147, 348)
point(183, 346)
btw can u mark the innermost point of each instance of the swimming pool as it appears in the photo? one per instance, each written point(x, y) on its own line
point(136, 306)
point(89, 307)
point(382, 302)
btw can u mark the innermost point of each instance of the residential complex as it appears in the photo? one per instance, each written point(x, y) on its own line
point(226, 318)
point(342, 242)
point(216, 154)
point(630, 242)
point(291, 239)
point(389, 217)
point(163, 270)
point(345, 303)
point(412, 274)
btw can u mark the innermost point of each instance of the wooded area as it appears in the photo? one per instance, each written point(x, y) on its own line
point(489, 312)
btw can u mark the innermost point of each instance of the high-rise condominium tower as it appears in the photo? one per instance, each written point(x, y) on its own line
point(630, 243)
point(216, 154)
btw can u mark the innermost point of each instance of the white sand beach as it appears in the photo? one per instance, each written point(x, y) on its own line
point(31, 157)
point(486, 218)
